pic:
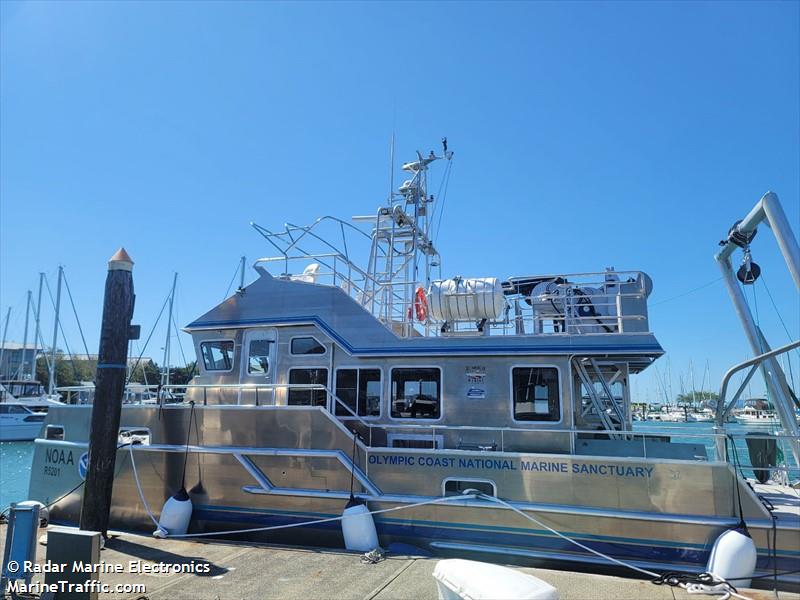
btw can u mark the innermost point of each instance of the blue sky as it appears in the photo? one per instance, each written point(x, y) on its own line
point(585, 135)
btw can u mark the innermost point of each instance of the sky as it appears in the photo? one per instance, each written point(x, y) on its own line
point(585, 135)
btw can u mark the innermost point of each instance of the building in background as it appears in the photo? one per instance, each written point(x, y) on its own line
point(11, 358)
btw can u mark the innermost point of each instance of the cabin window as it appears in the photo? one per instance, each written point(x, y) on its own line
point(258, 357)
point(308, 377)
point(14, 409)
point(217, 356)
point(360, 390)
point(306, 345)
point(54, 432)
point(456, 487)
point(536, 395)
point(416, 393)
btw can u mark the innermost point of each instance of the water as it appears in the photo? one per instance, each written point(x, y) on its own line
point(16, 457)
point(15, 471)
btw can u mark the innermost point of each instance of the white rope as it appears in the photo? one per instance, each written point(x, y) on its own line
point(329, 519)
point(569, 539)
point(139, 487)
point(722, 588)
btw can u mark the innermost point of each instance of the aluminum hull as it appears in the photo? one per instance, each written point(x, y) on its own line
point(286, 465)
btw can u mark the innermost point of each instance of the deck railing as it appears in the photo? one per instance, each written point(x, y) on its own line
point(718, 445)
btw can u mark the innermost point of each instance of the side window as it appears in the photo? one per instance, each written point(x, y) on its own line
point(359, 389)
point(535, 394)
point(306, 345)
point(54, 432)
point(217, 356)
point(258, 357)
point(456, 487)
point(416, 393)
point(308, 377)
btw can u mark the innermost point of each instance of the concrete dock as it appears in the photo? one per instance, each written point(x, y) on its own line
point(239, 571)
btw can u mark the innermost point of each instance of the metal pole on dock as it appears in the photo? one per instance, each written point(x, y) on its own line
point(112, 361)
point(51, 384)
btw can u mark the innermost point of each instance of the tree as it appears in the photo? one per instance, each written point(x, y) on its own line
point(182, 375)
point(690, 398)
point(147, 373)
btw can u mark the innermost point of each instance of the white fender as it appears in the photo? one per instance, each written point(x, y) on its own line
point(358, 527)
point(733, 555)
point(175, 515)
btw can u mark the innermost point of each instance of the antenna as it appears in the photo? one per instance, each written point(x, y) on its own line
point(391, 169)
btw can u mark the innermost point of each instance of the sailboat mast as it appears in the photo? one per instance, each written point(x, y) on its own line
point(165, 370)
point(21, 370)
point(5, 331)
point(51, 384)
point(37, 333)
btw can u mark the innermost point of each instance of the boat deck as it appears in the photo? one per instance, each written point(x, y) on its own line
point(786, 501)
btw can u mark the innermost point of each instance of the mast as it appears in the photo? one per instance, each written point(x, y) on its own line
point(51, 384)
point(21, 370)
point(165, 369)
point(37, 335)
point(5, 331)
point(241, 276)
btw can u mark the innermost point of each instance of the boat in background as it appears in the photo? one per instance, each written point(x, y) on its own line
point(757, 412)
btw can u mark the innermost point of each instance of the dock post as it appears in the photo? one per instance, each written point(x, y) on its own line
point(112, 361)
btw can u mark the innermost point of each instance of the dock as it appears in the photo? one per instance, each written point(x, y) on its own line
point(237, 570)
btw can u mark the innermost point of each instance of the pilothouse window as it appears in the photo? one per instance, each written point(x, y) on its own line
point(360, 390)
point(416, 393)
point(217, 356)
point(536, 396)
point(258, 357)
point(308, 377)
point(307, 345)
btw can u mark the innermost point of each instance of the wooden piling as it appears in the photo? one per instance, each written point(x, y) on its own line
point(109, 389)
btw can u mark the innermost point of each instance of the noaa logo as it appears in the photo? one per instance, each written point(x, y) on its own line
point(83, 464)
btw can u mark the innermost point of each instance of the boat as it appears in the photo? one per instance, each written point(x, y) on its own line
point(29, 393)
point(460, 402)
point(18, 421)
point(757, 413)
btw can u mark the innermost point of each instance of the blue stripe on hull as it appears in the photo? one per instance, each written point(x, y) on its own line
point(691, 556)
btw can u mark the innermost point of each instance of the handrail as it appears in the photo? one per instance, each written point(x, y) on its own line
point(722, 410)
point(718, 436)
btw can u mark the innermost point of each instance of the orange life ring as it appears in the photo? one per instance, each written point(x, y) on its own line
point(421, 305)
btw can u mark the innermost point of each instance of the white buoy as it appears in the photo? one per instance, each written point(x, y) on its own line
point(733, 555)
point(175, 515)
point(358, 527)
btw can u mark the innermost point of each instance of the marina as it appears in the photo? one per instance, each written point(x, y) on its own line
point(511, 303)
point(464, 403)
